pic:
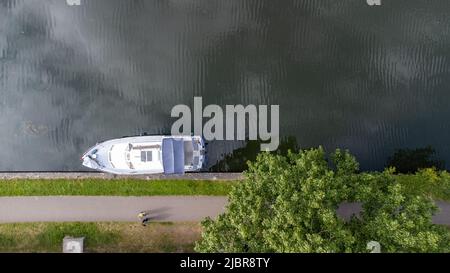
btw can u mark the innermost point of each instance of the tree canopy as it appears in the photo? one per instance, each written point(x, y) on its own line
point(289, 203)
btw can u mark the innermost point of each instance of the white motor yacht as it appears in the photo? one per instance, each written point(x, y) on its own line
point(147, 155)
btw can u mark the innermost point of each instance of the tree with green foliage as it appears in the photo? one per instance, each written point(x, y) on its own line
point(400, 221)
point(289, 203)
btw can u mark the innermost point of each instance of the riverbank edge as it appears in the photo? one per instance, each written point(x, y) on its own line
point(204, 176)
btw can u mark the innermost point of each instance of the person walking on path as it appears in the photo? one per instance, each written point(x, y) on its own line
point(144, 217)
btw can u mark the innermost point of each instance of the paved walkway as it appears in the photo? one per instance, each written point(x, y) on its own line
point(117, 209)
point(125, 209)
point(441, 218)
point(97, 175)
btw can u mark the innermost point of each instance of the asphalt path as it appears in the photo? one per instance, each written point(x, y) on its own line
point(105, 209)
point(442, 217)
point(126, 209)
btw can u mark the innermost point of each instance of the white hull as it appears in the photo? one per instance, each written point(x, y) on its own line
point(147, 155)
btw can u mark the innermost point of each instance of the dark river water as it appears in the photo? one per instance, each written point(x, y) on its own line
point(345, 74)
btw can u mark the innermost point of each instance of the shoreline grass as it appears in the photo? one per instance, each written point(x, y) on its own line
point(428, 182)
point(100, 237)
point(123, 187)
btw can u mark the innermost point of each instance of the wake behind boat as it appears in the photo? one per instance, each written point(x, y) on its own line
point(147, 155)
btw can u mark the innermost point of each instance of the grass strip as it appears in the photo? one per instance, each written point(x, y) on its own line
point(100, 237)
point(125, 187)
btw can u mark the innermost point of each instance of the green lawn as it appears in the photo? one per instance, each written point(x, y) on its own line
point(100, 237)
point(123, 187)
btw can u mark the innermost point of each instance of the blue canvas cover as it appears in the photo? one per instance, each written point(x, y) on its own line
point(173, 156)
